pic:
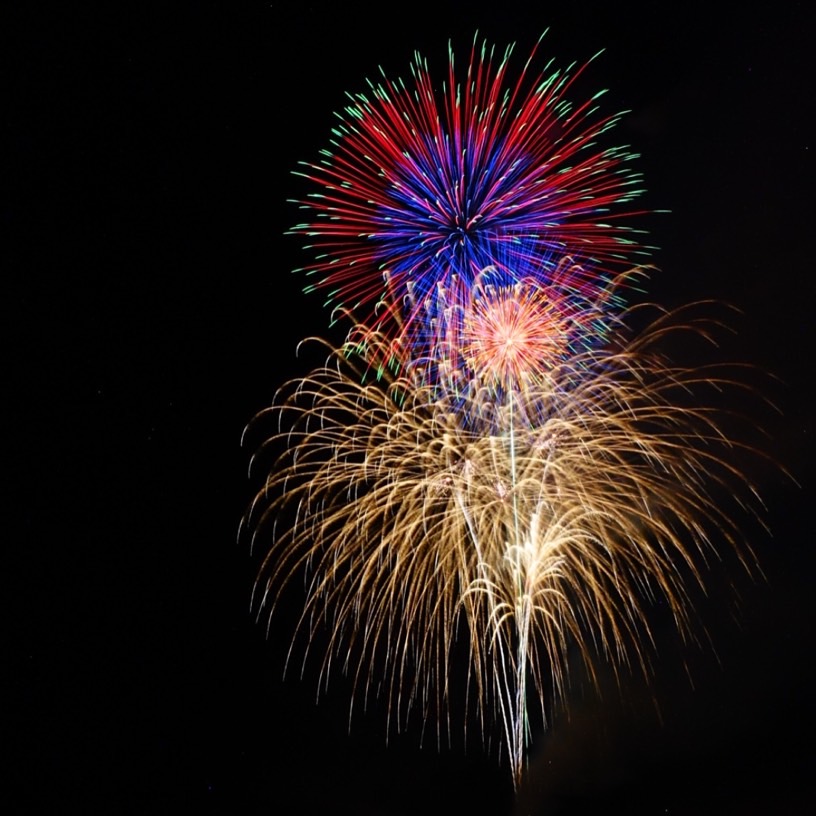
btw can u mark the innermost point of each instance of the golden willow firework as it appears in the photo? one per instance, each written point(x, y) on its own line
point(543, 515)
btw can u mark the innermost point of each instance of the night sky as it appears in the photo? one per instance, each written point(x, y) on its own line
point(150, 311)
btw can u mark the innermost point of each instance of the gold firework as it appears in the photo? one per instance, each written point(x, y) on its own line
point(537, 517)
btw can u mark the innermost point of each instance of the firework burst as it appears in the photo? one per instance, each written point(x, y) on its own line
point(427, 187)
point(503, 334)
point(535, 518)
point(492, 457)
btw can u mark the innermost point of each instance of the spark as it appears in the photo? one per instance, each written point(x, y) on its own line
point(539, 517)
point(427, 187)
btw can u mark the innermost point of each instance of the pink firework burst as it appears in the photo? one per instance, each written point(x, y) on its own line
point(514, 334)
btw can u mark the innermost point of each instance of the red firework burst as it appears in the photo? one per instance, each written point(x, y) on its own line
point(427, 189)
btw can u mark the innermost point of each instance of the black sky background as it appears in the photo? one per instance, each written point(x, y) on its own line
point(150, 311)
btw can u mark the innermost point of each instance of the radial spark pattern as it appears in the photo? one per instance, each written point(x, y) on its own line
point(495, 336)
point(429, 186)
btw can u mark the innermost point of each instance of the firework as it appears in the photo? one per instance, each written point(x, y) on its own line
point(503, 333)
point(532, 518)
point(423, 189)
point(492, 460)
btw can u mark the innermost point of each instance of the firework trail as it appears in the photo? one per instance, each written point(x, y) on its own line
point(492, 457)
point(534, 520)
